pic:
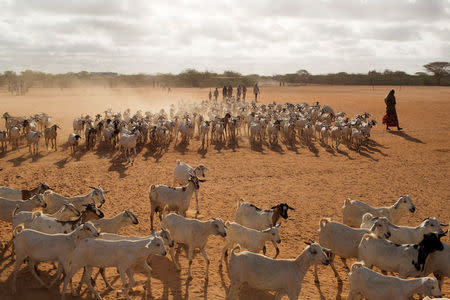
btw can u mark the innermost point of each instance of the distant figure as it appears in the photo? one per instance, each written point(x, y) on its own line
point(256, 91)
point(238, 92)
point(224, 92)
point(230, 91)
point(210, 95)
point(244, 92)
point(391, 119)
point(216, 94)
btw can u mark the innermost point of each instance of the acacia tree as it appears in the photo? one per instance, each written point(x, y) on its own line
point(440, 69)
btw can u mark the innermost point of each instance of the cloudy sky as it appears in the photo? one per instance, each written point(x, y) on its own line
point(249, 36)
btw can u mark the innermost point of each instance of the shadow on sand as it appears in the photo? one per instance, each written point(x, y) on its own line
point(406, 136)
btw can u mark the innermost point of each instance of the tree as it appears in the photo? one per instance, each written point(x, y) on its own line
point(439, 69)
point(372, 75)
point(303, 75)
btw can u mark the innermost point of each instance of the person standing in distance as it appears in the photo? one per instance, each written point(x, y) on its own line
point(256, 91)
point(390, 118)
point(216, 94)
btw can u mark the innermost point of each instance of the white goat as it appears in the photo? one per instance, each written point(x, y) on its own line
point(33, 141)
point(67, 213)
point(18, 194)
point(357, 138)
point(139, 265)
point(194, 234)
point(204, 132)
point(324, 133)
point(112, 225)
point(343, 240)
point(407, 260)
point(122, 254)
point(353, 210)
point(406, 234)
point(8, 206)
point(438, 263)
point(52, 225)
point(183, 171)
point(73, 142)
point(34, 245)
point(309, 132)
point(284, 276)
point(251, 216)
point(55, 201)
point(374, 286)
point(163, 197)
point(128, 142)
point(248, 238)
point(255, 131)
point(14, 137)
point(336, 135)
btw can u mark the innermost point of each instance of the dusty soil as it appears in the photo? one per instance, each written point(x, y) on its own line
point(316, 182)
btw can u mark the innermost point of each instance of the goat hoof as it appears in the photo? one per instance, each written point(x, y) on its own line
point(189, 278)
point(316, 281)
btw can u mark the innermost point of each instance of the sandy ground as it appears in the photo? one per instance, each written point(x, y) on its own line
point(316, 182)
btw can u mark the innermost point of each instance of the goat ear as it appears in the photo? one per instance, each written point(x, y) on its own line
point(307, 243)
point(106, 191)
point(373, 227)
point(291, 208)
point(396, 204)
point(442, 224)
point(92, 187)
point(202, 180)
point(273, 207)
point(443, 234)
point(277, 225)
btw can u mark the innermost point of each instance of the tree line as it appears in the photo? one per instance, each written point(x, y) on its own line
point(435, 73)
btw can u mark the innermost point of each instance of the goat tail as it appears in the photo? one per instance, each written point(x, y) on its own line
point(19, 228)
point(165, 211)
point(357, 265)
point(366, 217)
point(178, 162)
point(347, 202)
point(15, 210)
point(323, 222)
point(234, 249)
point(239, 202)
point(368, 236)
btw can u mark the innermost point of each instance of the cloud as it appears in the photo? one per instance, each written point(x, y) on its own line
point(247, 36)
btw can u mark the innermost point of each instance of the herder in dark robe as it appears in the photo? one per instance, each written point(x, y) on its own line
point(391, 119)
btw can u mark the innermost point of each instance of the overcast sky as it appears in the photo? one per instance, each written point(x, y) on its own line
point(250, 36)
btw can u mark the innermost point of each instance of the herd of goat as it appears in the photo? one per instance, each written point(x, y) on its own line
point(74, 233)
point(218, 122)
